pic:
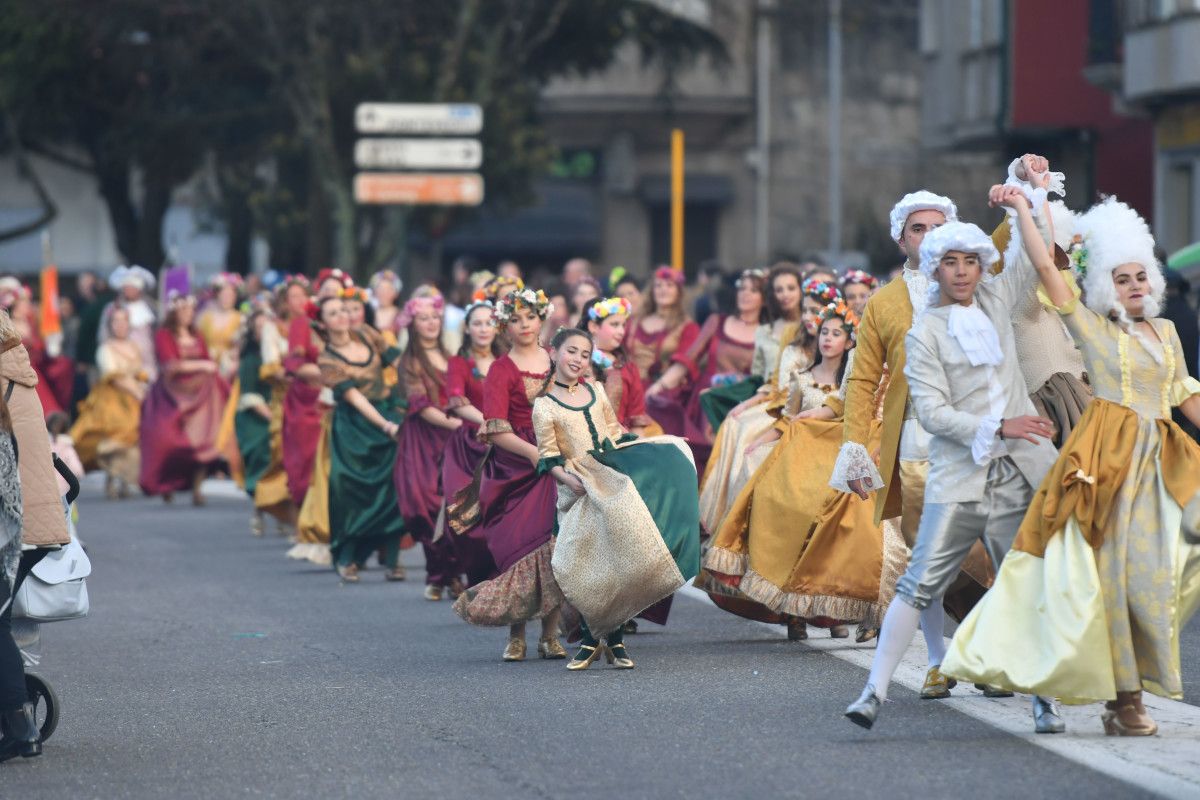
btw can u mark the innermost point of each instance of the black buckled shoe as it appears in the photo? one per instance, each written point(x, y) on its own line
point(21, 735)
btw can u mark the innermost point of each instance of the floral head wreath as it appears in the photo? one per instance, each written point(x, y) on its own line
point(859, 276)
point(354, 293)
point(293, 280)
point(176, 299)
point(606, 308)
point(496, 288)
point(757, 274)
point(386, 276)
point(223, 279)
point(339, 275)
point(839, 310)
point(524, 298)
point(821, 291)
point(474, 304)
point(416, 305)
point(1077, 252)
point(669, 274)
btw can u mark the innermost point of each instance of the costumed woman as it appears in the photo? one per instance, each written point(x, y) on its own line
point(427, 428)
point(857, 287)
point(731, 463)
point(133, 283)
point(1108, 515)
point(764, 532)
point(301, 411)
point(612, 370)
point(516, 504)
point(660, 330)
point(464, 451)
point(722, 356)
point(385, 289)
point(220, 322)
point(181, 414)
point(628, 530)
point(362, 443)
point(106, 430)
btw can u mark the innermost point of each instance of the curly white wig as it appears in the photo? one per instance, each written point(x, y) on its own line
point(1114, 234)
point(966, 237)
point(921, 200)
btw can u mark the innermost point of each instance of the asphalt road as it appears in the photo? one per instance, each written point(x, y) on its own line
point(213, 667)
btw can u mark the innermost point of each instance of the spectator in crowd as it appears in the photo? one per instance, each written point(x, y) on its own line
point(509, 269)
point(575, 270)
point(709, 280)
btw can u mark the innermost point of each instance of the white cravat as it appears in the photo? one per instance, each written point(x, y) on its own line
point(975, 334)
point(918, 289)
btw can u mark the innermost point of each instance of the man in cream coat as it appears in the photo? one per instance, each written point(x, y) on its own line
point(989, 449)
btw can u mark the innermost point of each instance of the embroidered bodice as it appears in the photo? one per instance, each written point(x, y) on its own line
point(508, 394)
point(652, 352)
point(340, 373)
point(565, 433)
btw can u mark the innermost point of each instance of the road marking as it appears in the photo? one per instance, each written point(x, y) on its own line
point(1167, 764)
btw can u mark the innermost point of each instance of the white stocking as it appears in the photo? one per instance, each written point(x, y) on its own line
point(899, 627)
point(933, 625)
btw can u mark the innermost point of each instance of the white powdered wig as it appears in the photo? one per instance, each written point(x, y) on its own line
point(1114, 234)
point(965, 237)
point(135, 275)
point(921, 200)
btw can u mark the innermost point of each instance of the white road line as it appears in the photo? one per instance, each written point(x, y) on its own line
point(1167, 764)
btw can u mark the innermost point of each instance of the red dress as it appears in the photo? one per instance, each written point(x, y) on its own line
point(652, 353)
point(462, 456)
point(626, 394)
point(516, 507)
point(301, 412)
point(181, 416)
point(714, 359)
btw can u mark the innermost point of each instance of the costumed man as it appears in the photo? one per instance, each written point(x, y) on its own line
point(988, 448)
point(903, 454)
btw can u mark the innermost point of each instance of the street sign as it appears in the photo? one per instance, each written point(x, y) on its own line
point(418, 154)
point(396, 188)
point(462, 119)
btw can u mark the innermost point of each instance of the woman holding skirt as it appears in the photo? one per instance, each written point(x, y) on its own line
point(427, 428)
point(362, 444)
point(516, 504)
point(1089, 603)
point(182, 411)
point(629, 534)
point(106, 431)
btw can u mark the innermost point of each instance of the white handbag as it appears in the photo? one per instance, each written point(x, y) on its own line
point(56, 587)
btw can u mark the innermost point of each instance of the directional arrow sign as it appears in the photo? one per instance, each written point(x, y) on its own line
point(462, 119)
point(393, 188)
point(418, 153)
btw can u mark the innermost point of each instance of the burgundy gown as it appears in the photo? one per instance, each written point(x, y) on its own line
point(301, 412)
point(463, 454)
point(181, 416)
point(652, 353)
point(714, 358)
point(418, 473)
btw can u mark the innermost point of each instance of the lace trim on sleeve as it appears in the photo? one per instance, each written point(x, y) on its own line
point(492, 427)
point(854, 463)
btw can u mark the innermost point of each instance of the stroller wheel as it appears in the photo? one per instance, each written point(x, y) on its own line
point(45, 704)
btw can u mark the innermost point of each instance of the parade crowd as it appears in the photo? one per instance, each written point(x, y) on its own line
point(987, 434)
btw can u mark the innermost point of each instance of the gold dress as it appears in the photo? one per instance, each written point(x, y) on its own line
point(1100, 580)
point(728, 466)
point(106, 431)
point(633, 537)
point(220, 337)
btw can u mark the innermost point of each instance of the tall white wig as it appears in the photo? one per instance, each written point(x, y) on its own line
point(965, 237)
point(921, 200)
point(1113, 234)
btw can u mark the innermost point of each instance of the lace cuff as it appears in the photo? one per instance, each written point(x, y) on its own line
point(250, 400)
point(987, 445)
point(491, 427)
point(854, 463)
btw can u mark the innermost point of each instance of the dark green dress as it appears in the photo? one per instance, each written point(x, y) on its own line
point(363, 517)
point(253, 430)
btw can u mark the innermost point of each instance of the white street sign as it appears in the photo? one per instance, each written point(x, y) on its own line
point(463, 119)
point(418, 154)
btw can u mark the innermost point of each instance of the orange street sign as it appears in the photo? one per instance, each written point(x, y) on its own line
point(396, 188)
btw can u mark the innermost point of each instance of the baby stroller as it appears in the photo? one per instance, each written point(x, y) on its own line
point(56, 591)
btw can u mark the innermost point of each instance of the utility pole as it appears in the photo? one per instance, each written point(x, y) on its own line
point(835, 130)
point(762, 153)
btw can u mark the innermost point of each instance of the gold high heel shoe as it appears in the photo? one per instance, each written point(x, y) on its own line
point(618, 656)
point(593, 652)
point(1127, 717)
point(551, 648)
point(515, 650)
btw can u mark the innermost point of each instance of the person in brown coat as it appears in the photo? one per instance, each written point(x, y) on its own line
point(32, 522)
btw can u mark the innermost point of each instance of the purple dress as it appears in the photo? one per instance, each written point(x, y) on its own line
point(463, 455)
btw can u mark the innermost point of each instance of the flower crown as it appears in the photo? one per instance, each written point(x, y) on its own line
point(223, 279)
point(293, 280)
point(416, 305)
point(602, 309)
point(839, 310)
point(1077, 252)
point(336, 274)
point(669, 274)
point(522, 298)
point(859, 276)
point(756, 274)
point(600, 360)
point(497, 288)
point(385, 276)
point(176, 298)
point(822, 291)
